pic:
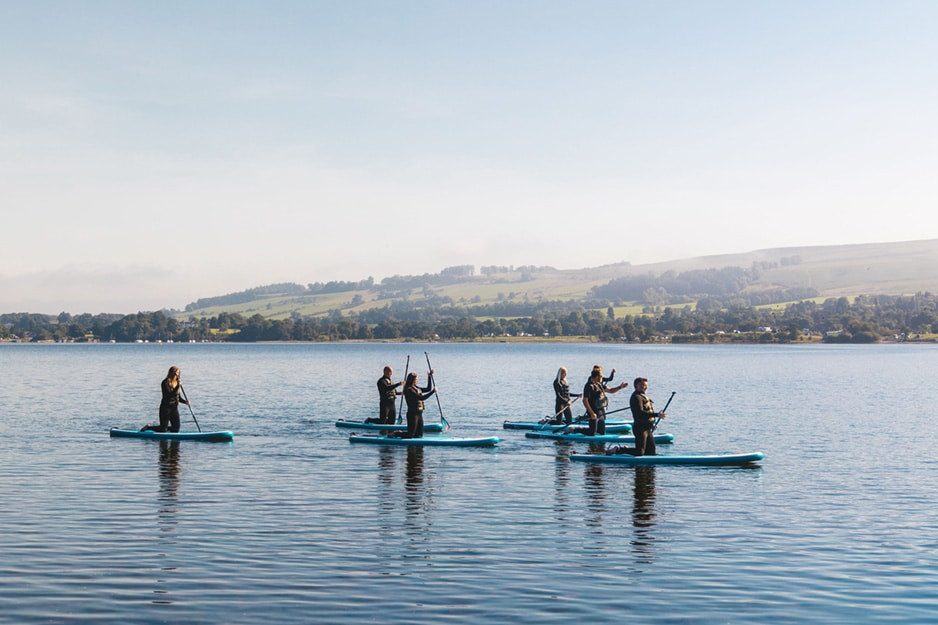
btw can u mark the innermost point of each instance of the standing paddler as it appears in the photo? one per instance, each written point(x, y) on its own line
point(387, 395)
point(644, 420)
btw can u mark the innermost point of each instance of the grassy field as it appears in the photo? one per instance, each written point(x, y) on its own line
point(835, 271)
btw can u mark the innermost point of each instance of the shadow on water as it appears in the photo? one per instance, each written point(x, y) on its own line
point(169, 470)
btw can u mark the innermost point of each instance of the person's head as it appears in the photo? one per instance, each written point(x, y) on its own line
point(173, 373)
point(388, 371)
point(640, 384)
point(597, 368)
point(561, 373)
point(597, 374)
point(411, 379)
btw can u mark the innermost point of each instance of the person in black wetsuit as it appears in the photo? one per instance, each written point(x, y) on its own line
point(387, 394)
point(606, 381)
point(169, 404)
point(644, 421)
point(414, 396)
point(562, 396)
point(594, 399)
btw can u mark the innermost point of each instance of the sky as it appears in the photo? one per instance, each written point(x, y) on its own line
point(152, 153)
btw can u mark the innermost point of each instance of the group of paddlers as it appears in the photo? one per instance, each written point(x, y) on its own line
point(594, 395)
point(414, 396)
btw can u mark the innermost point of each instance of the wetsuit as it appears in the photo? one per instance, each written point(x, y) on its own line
point(414, 398)
point(387, 395)
point(562, 411)
point(643, 425)
point(596, 396)
point(169, 408)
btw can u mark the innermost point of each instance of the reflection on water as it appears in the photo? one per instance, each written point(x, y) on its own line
point(413, 484)
point(407, 491)
point(561, 480)
point(418, 501)
point(169, 470)
point(595, 486)
point(387, 499)
point(169, 484)
point(643, 513)
point(470, 534)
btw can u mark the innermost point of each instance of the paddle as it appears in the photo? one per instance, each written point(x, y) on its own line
point(546, 423)
point(582, 418)
point(400, 408)
point(183, 391)
point(438, 404)
point(654, 426)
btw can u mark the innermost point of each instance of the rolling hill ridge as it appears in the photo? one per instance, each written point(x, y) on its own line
point(760, 276)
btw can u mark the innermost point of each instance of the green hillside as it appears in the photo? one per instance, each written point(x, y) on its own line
point(831, 271)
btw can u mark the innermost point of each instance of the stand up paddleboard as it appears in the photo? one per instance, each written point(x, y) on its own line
point(686, 459)
point(597, 438)
point(611, 426)
point(391, 427)
point(212, 437)
point(430, 441)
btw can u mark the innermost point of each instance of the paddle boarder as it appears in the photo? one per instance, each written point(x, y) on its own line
point(562, 396)
point(169, 404)
point(595, 401)
point(415, 396)
point(387, 395)
point(644, 420)
point(607, 380)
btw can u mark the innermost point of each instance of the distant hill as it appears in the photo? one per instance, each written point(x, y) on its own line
point(819, 271)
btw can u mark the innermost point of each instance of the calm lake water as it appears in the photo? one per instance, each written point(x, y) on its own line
point(292, 524)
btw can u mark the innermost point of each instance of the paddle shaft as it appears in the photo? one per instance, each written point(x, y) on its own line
point(183, 391)
point(437, 394)
point(654, 425)
point(400, 408)
point(606, 414)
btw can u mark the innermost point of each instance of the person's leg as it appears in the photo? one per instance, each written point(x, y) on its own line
point(650, 448)
point(386, 413)
point(411, 424)
point(164, 419)
point(174, 420)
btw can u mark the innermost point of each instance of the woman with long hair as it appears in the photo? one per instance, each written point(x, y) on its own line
point(169, 404)
point(415, 396)
point(562, 396)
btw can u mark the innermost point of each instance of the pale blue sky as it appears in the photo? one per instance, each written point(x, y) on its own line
point(157, 152)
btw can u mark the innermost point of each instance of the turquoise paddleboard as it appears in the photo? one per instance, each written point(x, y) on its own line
point(611, 426)
point(599, 438)
point(687, 459)
point(212, 437)
point(434, 441)
point(393, 427)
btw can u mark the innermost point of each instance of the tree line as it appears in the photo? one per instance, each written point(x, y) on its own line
point(865, 319)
